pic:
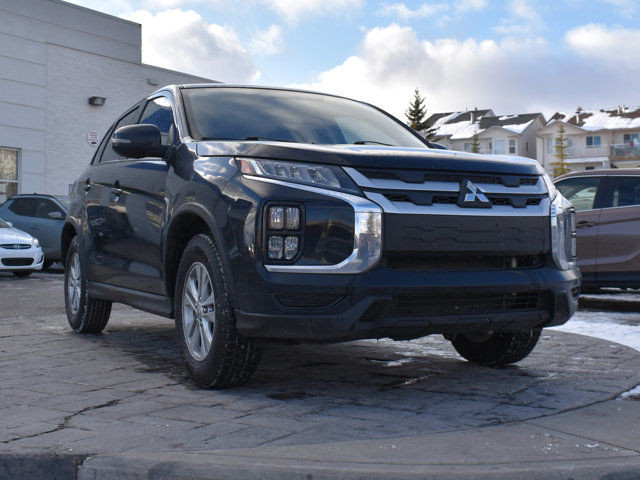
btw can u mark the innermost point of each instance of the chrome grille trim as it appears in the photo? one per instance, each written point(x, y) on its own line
point(487, 188)
point(540, 210)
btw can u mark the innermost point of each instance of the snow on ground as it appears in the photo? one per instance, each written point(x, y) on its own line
point(618, 327)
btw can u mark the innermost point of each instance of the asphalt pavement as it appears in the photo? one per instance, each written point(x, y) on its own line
point(119, 405)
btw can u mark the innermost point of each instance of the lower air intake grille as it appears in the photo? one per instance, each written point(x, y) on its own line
point(17, 262)
point(467, 303)
point(464, 262)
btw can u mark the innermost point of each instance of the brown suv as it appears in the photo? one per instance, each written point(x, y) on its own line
point(607, 204)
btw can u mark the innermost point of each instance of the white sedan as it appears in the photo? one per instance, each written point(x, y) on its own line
point(20, 253)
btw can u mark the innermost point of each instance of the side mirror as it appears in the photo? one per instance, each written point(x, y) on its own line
point(138, 141)
point(55, 215)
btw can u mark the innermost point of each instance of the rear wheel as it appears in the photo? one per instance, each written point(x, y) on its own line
point(214, 353)
point(84, 313)
point(496, 349)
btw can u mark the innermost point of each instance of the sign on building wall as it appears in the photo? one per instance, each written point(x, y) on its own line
point(93, 138)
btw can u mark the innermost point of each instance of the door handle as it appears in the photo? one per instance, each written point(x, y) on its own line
point(116, 191)
point(86, 186)
point(585, 224)
point(35, 227)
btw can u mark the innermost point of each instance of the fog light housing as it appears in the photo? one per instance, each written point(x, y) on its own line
point(283, 232)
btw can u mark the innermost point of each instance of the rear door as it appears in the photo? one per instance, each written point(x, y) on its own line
point(140, 203)
point(48, 229)
point(583, 192)
point(619, 233)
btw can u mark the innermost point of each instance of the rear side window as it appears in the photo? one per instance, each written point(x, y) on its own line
point(158, 113)
point(25, 207)
point(45, 207)
point(623, 192)
point(580, 191)
point(108, 154)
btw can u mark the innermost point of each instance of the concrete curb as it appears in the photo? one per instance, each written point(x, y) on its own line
point(25, 466)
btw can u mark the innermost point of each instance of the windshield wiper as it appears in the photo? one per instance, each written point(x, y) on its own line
point(364, 142)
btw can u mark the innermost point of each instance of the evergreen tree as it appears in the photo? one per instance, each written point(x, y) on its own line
point(416, 115)
point(416, 112)
point(560, 165)
point(475, 143)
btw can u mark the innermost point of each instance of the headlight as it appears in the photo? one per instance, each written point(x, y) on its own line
point(328, 176)
point(36, 242)
point(563, 232)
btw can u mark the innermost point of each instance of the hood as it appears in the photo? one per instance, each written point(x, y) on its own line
point(13, 235)
point(375, 156)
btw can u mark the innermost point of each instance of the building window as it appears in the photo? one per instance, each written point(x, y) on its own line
point(527, 146)
point(512, 146)
point(8, 173)
point(550, 145)
point(468, 147)
point(631, 139)
point(594, 142)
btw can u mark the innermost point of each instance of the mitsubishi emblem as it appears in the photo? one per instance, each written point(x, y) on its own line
point(472, 196)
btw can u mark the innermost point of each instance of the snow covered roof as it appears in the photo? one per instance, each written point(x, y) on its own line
point(459, 125)
point(604, 119)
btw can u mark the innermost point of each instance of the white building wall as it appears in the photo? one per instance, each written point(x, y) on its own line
point(53, 57)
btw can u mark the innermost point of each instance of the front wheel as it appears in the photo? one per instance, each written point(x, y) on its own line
point(214, 353)
point(496, 349)
point(84, 313)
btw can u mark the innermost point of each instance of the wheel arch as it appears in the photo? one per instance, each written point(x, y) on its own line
point(186, 222)
point(69, 230)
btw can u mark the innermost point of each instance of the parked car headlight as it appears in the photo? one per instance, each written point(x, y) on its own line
point(36, 242)
point(563, 232)
point(330, 176)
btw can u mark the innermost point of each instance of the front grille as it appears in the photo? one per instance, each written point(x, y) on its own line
point(463, 262)
point(417, 176)
point(17, 262)
point(431, 198)
point(16, 246)
point(467, 303)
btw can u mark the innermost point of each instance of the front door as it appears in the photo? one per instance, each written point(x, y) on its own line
point(582, 192)
point(140, 204)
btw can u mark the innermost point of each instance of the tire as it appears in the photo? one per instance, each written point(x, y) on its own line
point(202, 311)
point(84, 313)
point(498, 348)
point(22, 273)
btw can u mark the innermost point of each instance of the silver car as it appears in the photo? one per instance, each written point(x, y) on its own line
point(20, 253)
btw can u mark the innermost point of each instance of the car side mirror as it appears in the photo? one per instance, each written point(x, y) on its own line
point(138, 141)
point(55, 215)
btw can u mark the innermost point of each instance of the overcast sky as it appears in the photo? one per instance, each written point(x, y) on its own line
point(514, 56)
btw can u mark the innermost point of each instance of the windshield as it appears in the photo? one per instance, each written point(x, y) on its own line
point(3, 224)
point(286, 116)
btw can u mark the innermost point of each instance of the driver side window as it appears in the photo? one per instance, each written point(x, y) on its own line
point(158, 113)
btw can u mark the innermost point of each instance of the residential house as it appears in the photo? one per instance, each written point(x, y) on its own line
point(595, 139)
point(500, 135)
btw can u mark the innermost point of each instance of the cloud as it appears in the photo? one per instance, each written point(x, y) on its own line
point(400, 10)
point(511, 76)
point(267, 42)
point(524, 19)
point(625, 7)
point(470, 5)
point(611, 45)
point(294, 10)
point(182, 40)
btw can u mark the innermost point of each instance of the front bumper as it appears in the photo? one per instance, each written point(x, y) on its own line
point(21, 259)
point(403, 304)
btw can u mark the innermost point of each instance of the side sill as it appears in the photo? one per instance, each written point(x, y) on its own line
point(149, 302)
